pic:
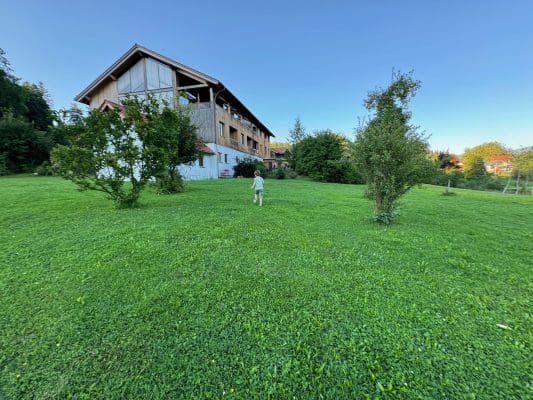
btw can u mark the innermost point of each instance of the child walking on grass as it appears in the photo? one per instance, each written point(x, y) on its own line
point(258, 186)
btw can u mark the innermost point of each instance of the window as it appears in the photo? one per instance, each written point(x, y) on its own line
point(158, 75)
point(242, 138)
point(219, 157)
point(221, 128)
point(201, 161)
point(146, 74)
point(226, 158)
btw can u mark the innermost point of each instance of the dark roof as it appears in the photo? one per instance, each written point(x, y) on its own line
point(279, 150)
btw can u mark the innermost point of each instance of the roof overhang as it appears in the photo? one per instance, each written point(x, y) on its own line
point(128, 59)
point(136, 52)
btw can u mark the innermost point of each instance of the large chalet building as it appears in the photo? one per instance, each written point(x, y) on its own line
point(227, 129)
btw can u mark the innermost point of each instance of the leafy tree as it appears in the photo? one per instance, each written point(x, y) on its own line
point(11, 95)
point(483, 151)
point(279, 145)
point(38, 110)
point(22, 148)
point(116, 151)
point(477, 169)
point(179, 143)
point(523, 164)
point(312, 153)
point(25, 122)
point(389, 152)
point(297, 133)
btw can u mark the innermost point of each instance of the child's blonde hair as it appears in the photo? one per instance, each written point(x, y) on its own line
point(257, 172)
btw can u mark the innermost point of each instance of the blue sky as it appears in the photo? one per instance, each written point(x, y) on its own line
point(313, 59)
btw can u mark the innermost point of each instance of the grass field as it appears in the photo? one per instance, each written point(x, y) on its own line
point(204, 295)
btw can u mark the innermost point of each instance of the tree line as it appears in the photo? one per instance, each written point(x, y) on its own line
point(26, 122)
point(122, 148)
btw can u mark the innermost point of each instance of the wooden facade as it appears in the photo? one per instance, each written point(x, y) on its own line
point(223, 121)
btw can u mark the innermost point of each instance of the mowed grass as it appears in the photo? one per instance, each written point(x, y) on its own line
point(204, 295)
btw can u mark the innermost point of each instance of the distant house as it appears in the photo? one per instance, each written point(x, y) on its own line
point(500, 164)
point(277, 158)
point(227, 129)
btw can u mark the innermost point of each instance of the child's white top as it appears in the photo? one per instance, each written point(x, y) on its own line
point(258, 183)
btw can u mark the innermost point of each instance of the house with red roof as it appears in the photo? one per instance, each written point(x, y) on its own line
point(499, 164)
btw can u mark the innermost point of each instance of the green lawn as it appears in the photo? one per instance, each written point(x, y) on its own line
point(204, 295)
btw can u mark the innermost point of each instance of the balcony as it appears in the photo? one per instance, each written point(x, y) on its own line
point(240, 122)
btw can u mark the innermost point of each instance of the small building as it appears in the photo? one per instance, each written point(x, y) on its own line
point(227, 129)
point(277, 159)
point(499, 164)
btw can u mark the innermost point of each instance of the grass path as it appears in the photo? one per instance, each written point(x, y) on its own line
point(204, 295)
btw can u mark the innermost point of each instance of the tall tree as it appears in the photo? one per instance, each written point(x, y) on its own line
point(477, 169)
point(38, 108)
point(389, 152)
point(12, 99)
point(312, 153)
point(22, 147)
point(297, 133)
point(523, 164)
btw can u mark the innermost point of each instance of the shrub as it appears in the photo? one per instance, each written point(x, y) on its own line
point(280, 173)
point(247, 166)
point(168, 184)
point(311, 154)
point(494, 183)
point(45, 169)
point(341, 171)
point(291, 174)
point(385, 217)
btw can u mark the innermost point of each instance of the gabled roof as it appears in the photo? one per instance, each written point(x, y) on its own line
point(137, 51)
point(279, 150)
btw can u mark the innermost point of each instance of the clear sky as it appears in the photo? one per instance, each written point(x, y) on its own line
point(313, 59)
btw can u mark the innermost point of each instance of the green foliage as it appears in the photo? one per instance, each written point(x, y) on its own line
point(455, 177)
point(280, 173)
point(178, 140)
point(247, 166)
point(45, 169)
point(3, 165)
point(170, 183)
point(471, 156)
point(313, 153)
point(523, 164)
point(389, 153)
point(297, 133)
point(203, 296)
point(118, 151)
point(38, 111)
point(22, 147)
point(458, 180)
point(476, 170)
point(25, 119)
point(341, 171)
